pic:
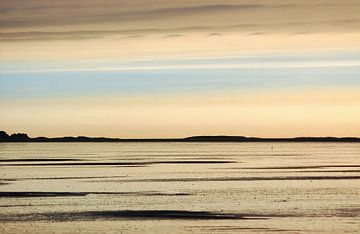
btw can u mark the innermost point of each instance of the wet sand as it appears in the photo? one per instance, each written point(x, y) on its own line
point(180, 187)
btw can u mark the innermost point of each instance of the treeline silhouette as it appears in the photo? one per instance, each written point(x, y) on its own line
point(22, 137)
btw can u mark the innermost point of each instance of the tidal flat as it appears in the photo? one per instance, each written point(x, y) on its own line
point(179, 187)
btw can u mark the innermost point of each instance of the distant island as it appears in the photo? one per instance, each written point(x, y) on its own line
point(22, 137)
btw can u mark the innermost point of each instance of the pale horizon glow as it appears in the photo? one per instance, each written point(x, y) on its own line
point(289, 113)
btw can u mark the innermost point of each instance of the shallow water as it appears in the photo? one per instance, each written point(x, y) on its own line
point(179, 187)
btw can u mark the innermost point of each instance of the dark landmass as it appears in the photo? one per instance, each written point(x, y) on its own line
point(22, 137)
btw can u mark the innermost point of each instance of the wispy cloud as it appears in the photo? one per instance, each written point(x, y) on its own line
point(214, 35)
point(305, 64)
point(304, 27)
point(174, 35)
point(14, 20)
point(18, 14)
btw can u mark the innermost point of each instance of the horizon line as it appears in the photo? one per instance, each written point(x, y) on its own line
point(23, 137)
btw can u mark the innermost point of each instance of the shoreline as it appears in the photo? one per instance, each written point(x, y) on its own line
point(210, 139)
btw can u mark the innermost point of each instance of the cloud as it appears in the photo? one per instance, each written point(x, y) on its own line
point(203, 9)
point(35, 16)
point(24, 16)
point(254, 29)
point(257, 33)
point(174, 35)
point(204, 66)
point(17, 14)
point(214, 35)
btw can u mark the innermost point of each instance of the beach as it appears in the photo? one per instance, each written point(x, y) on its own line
point(179, 187)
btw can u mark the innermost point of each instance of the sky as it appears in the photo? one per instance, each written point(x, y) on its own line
point(163, 69)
